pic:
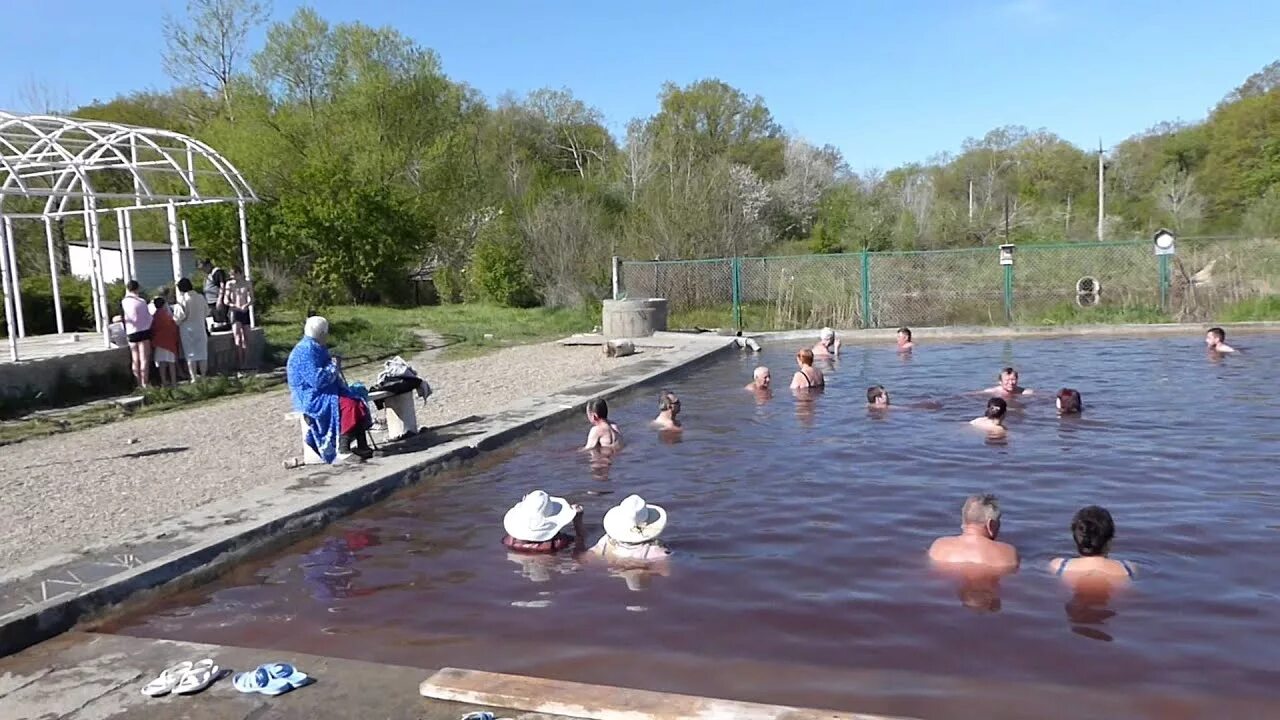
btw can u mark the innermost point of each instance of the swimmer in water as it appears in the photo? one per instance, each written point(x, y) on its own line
point(807, 377)
point(1092, 529)
point(905, 345)
point(668, 409)
point(603, 433)
point(631, 533)
point(828, 344)
point(1069, 402)
point(993, 420)
point(877, 397)
point(976, 544)
point(1008, 386)
point(761, 380)
point(1216, 341)
point(536, 525)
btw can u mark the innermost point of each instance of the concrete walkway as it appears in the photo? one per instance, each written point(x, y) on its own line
point(85, 676)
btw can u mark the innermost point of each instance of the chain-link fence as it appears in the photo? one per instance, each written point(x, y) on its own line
point(1046, 284)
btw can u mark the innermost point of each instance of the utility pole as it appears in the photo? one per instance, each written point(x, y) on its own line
point(1102, 203)
point(970, 200)
point(1067, 230)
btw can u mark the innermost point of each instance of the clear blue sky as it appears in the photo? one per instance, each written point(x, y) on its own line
point(886, 82)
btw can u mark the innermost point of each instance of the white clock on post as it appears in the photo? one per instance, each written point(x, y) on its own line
point(1164, 242)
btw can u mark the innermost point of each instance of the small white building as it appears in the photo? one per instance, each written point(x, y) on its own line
point(154, 260)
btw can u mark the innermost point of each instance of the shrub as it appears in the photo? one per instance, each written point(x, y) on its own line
point(265, 296)
point(499, 274)
point(498, 271)
point(77, 304)
point(449, 284)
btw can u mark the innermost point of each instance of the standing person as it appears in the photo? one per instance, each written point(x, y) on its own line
point(761, 380)
point(807, 377)
point(993, 419)
point(828, 345)
point(537, 524)
point(191, 312)
point(668, 412)
point(603, 434)
point(214, 279)
point(1216, 340)
point(238, 296)
point(1008, 387)
point(164, 338)
point(1069, 402)
point(631, 532)
point(976, 544)
point(905, 344)
point(137, 328)
point(877, 397)
point(1093, 529)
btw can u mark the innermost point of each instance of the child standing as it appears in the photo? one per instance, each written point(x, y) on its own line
point(164, 336)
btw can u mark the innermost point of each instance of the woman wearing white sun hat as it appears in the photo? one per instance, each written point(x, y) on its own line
point(631, 532)
point(536, 524)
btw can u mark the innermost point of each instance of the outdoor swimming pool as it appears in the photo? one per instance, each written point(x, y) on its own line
point(800, 527)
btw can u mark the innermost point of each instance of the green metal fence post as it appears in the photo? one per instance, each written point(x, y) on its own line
point(737, 292)
point(866, 289)
point(1163, 261)
point(1008, 293)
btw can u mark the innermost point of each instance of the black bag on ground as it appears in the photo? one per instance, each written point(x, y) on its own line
point(397, 385)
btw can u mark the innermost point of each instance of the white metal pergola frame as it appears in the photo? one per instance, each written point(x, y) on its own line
point(58, 159)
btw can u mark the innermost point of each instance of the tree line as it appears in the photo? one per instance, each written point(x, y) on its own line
point(372, 164)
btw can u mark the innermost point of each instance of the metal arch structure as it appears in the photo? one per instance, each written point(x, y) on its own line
point(90, 168)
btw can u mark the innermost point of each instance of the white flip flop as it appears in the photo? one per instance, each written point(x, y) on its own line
point(200, 676)
point(167, 680)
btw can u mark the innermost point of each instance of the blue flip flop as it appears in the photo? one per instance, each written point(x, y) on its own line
point(260, 681)
point(287, 673)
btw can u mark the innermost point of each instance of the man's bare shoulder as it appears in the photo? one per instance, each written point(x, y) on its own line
point(941, 547)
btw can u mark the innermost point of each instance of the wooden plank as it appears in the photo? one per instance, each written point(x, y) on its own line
point(602, 702)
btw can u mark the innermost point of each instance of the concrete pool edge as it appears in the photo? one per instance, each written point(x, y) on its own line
point(981, 332)
point(194, 547)
point(83, 675)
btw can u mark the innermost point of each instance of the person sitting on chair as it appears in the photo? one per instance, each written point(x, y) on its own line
point(335, 416)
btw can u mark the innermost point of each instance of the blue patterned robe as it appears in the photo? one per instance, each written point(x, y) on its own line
point(316, 385)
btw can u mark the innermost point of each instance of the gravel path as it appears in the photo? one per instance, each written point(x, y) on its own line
point(67, 491)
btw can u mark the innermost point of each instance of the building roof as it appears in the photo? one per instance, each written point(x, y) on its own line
point(138, 246)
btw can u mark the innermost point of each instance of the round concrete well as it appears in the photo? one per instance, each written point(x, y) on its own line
point(634, 318)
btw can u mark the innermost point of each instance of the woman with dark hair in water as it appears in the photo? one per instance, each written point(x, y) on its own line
point(1069, 402)
point(1093, 530)
point(993, 419)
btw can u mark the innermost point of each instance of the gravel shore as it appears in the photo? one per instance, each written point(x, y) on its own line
point(75, 489)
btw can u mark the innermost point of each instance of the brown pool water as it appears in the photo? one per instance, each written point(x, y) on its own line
point(799, 529)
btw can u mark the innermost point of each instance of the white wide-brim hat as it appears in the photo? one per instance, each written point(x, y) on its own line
point(635, 521)
point(538, 517)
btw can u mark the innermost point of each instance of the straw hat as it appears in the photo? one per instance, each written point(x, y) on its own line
point(635, 521)
point(538, 517)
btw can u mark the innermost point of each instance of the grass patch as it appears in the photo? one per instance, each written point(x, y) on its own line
point(1072, 314)
point(1252, 310)
point(372, 333)
point(755, 316)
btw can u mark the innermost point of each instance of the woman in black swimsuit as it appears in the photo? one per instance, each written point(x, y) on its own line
point(807, 377)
